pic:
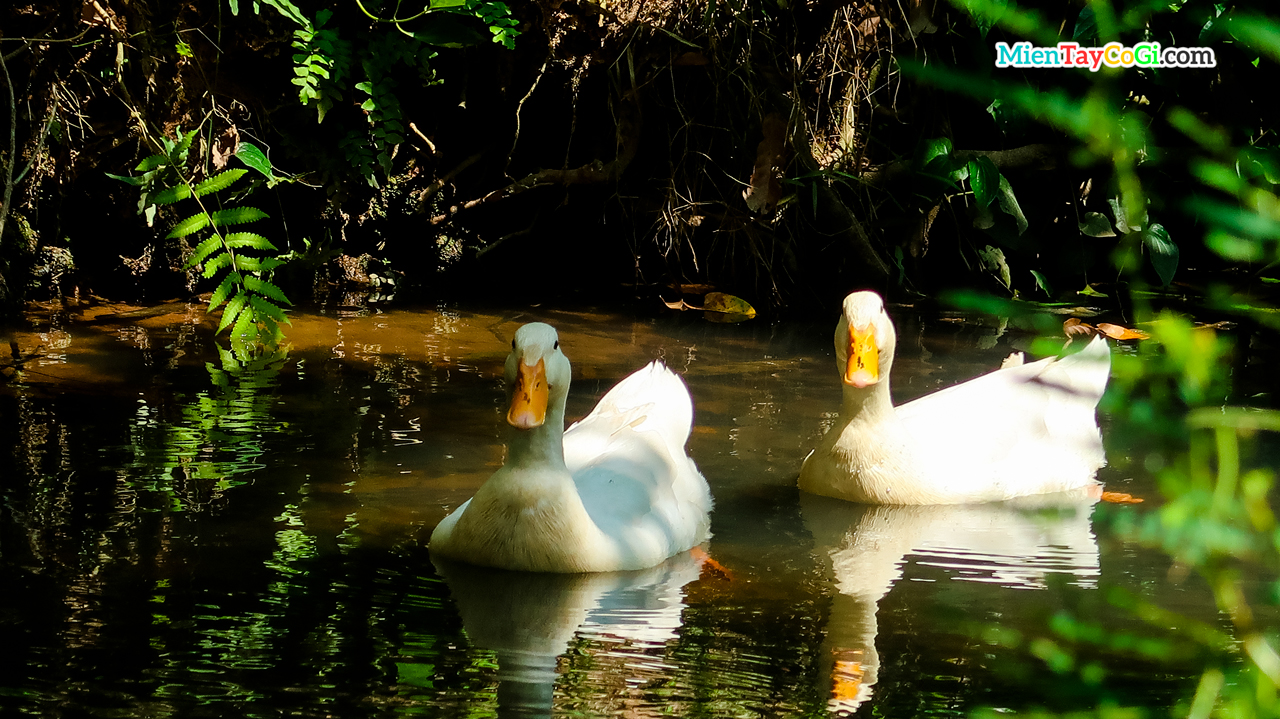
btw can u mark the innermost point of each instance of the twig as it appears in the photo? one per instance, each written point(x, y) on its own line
point(506, 169)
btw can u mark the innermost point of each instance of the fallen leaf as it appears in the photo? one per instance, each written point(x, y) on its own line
point(727, 304)
point(1116, 332)
point(1073, 327)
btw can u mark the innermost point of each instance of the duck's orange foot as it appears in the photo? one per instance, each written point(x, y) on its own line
point(711, 566)
point(1121, 498)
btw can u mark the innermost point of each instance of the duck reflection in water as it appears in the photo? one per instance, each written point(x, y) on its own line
point(864, 548)
point(530, 618)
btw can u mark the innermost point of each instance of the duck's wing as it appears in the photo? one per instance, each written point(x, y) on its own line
point(628, 461)
point(1021, 416)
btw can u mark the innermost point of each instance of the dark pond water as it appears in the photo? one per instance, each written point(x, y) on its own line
point(183, 537)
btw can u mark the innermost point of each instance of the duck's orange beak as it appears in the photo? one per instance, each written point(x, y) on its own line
point(529, 400)
point(863, 368)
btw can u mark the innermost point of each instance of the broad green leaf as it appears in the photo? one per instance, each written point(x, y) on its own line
point(442, 4)
point(236, 240)
point(1164, 253)
point(152, 163)
point(170, 195)
point(984, 177)
point(1096, 225)
point(1124, 223)
point(220, 181)
point(203, 250)
point(256, 159)
point(1086, 28)
point(194, 223)
point(993, 260)
point(237, 216)
point(1009, 204)
point(218, 262)
point(934, 148)
point(1043, 283)
point(265, 288)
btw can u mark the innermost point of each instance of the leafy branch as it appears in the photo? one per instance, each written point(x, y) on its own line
point(250, 302)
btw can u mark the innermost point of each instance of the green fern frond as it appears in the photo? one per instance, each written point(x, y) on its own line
point(170, 195)
point(202, 251)
point(194, 223)
point(244, 324)
point(237, 216)
point(266, 289)
point(266, 308)
point(238, 240)
point(231, 313)
point(218, 262)
point(220, 181)
point(151, 163)
point(228, 285)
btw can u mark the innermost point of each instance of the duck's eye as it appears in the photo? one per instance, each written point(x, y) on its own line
point(556, 346)
point(513, 343)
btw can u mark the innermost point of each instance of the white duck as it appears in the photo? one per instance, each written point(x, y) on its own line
point(617, 491)
point(1023, 429)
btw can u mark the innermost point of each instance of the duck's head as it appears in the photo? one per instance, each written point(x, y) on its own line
point(537, 374)
point(864, 340)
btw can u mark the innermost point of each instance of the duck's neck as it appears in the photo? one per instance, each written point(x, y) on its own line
point(869, 403)
point(541, 446)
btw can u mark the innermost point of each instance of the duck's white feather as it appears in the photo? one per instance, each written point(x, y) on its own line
point(1025, 429)
point(617, 491)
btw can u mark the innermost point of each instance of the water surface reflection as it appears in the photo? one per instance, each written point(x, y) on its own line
point(183, 536)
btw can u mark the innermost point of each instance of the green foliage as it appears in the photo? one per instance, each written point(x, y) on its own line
point(337, 63)
point(250, 302)
point(1174, 393)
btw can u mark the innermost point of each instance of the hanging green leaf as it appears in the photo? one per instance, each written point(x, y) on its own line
point(1009, 204)
point(984, 177)
point(1163, 252)
point(1096, 224)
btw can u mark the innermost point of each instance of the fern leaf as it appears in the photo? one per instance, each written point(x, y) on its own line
point(236, 307)
point(229, 284)
point(266, 289)
point(180, 150)
point(245, 263)
point(194, 223)
point(170, 195)
point(237, 216)
point(151, 163)
point(269, 263)
point(266, 308)
point(271, 330)
point(244, 325)
point(202, 250)
point(218, 262)
point(220, 181)
point(236, 240)
point(135, 181)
